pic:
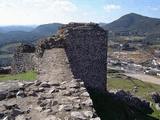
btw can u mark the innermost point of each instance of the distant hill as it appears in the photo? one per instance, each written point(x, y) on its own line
point(47, 29)
point(134, 24)
point(5, 29)
point(28, 36)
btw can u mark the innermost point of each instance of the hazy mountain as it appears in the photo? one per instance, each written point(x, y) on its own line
point(47, 29)
point(31, 36)
point(5, 29)
point(134, 24)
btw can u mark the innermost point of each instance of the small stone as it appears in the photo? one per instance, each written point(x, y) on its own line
point(29, 84)
point(78, 100)
point(66, 93)
point(54, 84)
point(78, 115)
point(88, 114)
point(97, 118)
point(21, 85)
point(62, 88)
point(85, 94)
point(32, 93)
point(88, 102)
point(44, 96)
point(3, 95)
point(63, 82)
point(16, 112)
point(74, 85)
point(73, 90)
point(37, 83)
point(21, 93)
point(45, 84)
point(53, 89)
point(64, 100)
point(41, 89)
point(54, 103)
point(43, 104)
point(77, 106)
point(47, 111)
point(83, 89)
point(82, 84)
point(48, 96)
point(65, 107)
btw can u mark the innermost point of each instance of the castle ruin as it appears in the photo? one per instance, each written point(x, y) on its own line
point(71, 61)
point(85, 46)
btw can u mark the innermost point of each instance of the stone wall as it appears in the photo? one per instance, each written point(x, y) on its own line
point(69, 62)
point(86, 49)
point(23, 59)
point(22, 62)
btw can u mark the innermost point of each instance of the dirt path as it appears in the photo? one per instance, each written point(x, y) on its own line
point(145, 78)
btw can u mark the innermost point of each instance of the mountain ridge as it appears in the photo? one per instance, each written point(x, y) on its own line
point(29, 36)
point(134, 24)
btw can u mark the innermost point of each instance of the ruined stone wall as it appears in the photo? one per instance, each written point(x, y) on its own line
point(86, 48)
point(22, 62)
point(23, 59)
point(70, 64)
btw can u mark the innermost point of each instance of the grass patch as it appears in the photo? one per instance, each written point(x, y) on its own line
point(30, 75)
point(120, 81)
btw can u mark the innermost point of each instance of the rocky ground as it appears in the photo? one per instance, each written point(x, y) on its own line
point(47, 101)
point(56, 95)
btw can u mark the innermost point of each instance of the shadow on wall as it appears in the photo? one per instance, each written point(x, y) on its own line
point(109, 108)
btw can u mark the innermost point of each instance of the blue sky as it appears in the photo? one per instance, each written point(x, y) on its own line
point(29, 12)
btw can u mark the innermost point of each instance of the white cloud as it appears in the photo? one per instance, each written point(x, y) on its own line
point(36, 11)
point(111, 7)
